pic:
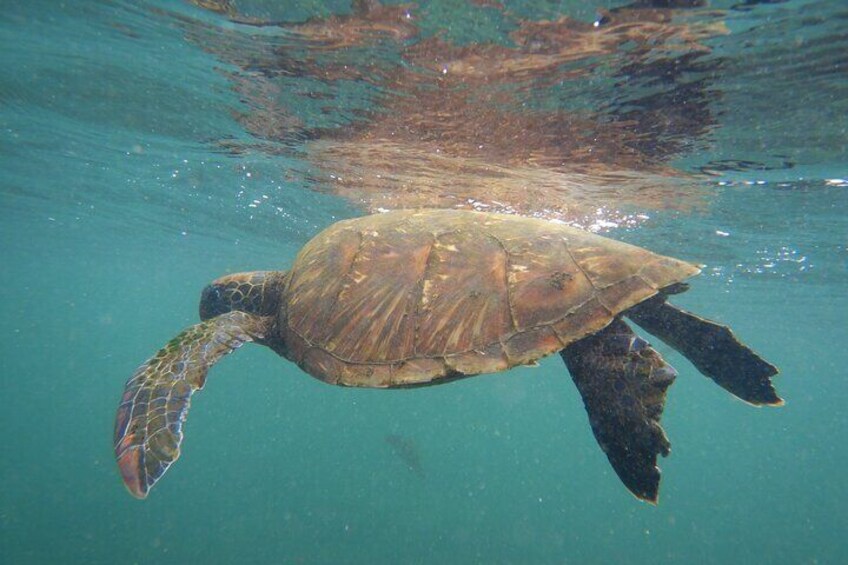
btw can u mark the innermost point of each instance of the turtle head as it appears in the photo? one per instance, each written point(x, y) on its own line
point(256, 292)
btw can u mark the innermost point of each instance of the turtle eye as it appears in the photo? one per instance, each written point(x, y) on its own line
point(213, 302)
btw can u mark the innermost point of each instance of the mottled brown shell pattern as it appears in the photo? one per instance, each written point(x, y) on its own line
point(406, 297)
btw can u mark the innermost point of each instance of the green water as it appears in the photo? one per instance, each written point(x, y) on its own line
point(117, 208)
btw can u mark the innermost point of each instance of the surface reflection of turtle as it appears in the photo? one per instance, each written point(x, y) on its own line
point(412, 298)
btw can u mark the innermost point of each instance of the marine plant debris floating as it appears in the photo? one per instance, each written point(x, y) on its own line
point(424, 297)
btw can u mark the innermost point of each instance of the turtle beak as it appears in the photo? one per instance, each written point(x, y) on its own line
point(212, 302)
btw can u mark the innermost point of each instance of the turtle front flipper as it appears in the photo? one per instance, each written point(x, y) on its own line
point(148, 426)
point(712, 348)
point(623, 382)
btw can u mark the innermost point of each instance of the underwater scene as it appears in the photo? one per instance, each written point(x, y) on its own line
point(148, 148)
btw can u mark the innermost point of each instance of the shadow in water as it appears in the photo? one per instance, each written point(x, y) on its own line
point(404, 448)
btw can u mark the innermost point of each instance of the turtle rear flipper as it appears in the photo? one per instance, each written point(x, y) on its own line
point(148, 426)
point(712, 348)
point(623, 382)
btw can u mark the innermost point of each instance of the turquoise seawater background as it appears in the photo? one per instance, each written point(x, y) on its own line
point(117, 207)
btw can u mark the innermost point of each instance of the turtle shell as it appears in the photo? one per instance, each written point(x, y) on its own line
point(410, 297)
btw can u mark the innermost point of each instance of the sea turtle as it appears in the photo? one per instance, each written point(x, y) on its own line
point(424, 297)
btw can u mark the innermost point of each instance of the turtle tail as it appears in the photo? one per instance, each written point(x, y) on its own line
point(148, 426)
